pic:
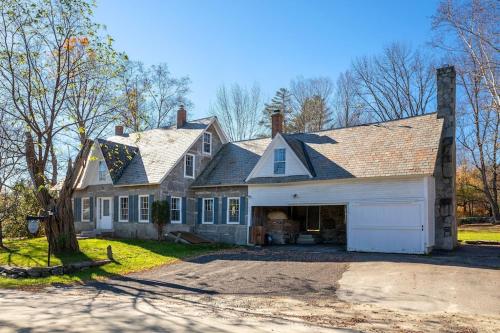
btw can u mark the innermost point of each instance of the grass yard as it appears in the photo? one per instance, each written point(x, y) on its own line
point(479, 232)
point(130, 256)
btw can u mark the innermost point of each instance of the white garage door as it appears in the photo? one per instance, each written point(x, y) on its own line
point(386, 227)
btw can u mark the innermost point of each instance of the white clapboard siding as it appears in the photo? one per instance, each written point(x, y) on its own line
point(383, 215)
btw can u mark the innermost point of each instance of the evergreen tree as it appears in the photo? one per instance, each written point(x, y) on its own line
point(281, 101)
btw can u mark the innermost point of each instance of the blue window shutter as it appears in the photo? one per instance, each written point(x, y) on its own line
point(216, 210)
point(91, 208)
point(224, 210)
point(116, 205)
point(243, 207)
point(133, 208)
point(184, 210)
point(150, 205)
point(78, 209)
point(200, 207)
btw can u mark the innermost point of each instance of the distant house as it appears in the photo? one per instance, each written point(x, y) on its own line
point(383, 187)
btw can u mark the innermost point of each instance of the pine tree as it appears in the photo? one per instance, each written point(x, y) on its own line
point(281, 101)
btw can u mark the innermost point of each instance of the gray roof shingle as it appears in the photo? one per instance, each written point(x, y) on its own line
point(158, 151)
point(395, 148)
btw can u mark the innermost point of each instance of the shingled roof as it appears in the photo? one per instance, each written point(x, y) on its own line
point(117, 156)
point(395, 148)
point(157, 151)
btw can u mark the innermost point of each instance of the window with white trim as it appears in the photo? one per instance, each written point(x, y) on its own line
point(208, 210)
point(123, 209)
point(175, 210)
point(189, 165)
point(233, 210)
point(143, 208)
point(279, 161)
point(207, 143)
point(86, 209)
point(102, 170)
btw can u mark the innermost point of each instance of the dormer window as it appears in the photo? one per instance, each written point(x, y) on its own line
point(189, 166)
point(279, 161)
point(102, 170)
point(207, 143)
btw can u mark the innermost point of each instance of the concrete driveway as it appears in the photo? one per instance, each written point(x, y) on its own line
point(281, 289)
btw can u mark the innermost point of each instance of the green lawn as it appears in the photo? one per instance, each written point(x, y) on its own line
point(130, 256)
point(477, 232)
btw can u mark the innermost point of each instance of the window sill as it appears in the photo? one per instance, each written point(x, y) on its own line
point(235, 223)
point(123, 221)
point(175, 222)
point(207, 223)
point(143, 221)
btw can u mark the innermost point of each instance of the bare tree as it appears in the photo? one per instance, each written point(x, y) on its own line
point(348, 106)
point(311, 103)
point(36, 70)
point(469, 31)
point(165, 94)
point(133, 112)
point(150, 95)
point(398, 83)
point(90, 102)
point(237, 109)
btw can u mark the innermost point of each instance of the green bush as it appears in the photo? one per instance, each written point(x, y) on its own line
point(160, 215)
point(23, 202)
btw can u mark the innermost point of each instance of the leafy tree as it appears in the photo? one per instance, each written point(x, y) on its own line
point(161, 216)
point(38, 63)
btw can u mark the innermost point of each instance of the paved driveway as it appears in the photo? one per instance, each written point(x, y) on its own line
point(282, 289)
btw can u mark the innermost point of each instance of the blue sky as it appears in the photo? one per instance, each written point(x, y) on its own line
point(264, 41)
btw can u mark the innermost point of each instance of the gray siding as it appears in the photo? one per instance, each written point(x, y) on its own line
point(221, 231)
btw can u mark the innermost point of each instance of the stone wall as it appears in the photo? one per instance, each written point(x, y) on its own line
point(120, 229)
point(221, 232)
point(445, 170)
point(177, 185)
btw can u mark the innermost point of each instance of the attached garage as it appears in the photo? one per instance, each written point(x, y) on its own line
point(390, 215)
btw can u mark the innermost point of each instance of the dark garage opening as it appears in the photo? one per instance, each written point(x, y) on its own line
point(299, 225)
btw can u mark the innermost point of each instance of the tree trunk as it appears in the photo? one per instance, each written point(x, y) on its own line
point(59, 229)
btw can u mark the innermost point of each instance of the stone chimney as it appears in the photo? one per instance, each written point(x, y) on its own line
point(445, 170)
point(119, 130)
point(276, 123)
point(181, 116)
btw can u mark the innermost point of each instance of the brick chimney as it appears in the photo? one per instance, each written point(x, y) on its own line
point(181, 116)
point(445, 170)
point(119, 130)
point(276, 123)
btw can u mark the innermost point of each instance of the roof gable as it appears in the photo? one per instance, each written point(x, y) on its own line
point(294, 166)
point(158, 151)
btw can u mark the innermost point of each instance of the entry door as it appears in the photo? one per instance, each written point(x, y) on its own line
point(105, 220)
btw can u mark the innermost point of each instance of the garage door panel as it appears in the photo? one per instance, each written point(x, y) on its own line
point(386, 227)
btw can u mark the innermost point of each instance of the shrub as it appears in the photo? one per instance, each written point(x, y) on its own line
point(161, 215)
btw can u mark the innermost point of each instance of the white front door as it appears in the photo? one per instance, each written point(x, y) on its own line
point(104, 218)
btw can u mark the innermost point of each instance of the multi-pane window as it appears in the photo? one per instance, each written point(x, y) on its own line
point(123, 209)
point(102, 170)
point(208, 210)
point(85, 209)
point(175, 210)
point(143, 208)
point(233, 210)
point(189, 166)
point(207, 143)
point(279, 161)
